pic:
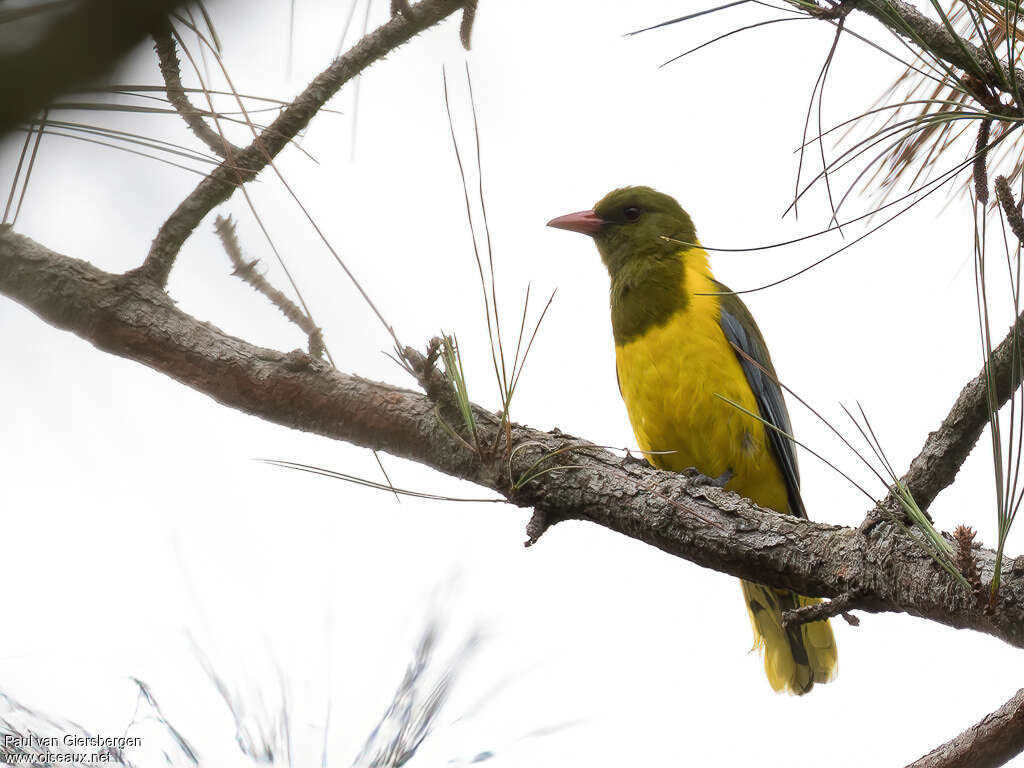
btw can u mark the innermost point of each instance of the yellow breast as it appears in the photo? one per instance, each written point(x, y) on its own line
point(669, 379)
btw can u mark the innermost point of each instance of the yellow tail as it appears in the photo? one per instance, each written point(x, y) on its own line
point(795, 658)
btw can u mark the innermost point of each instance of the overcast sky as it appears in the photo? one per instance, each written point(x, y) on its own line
point(136, 520)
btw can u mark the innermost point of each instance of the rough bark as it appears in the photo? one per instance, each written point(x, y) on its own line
point(170, 70)
point(946, 449)
point(909, 23)
point(875, 568)
point(134, 318)
point(991, 742)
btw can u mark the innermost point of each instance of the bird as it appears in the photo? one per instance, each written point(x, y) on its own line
point(684, 346)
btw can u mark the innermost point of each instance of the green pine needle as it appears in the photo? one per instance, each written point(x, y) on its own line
point(456, 376)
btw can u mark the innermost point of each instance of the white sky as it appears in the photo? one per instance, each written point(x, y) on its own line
point(135, 516)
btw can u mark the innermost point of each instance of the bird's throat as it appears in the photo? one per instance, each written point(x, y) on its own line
point(646, 295)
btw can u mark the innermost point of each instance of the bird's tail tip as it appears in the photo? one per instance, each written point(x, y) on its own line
point(795, 658)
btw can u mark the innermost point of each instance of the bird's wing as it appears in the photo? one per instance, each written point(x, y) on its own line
point(741, 330)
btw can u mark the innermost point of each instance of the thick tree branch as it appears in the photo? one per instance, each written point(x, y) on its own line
point(134, 318)
point(247, 163)
point(946, 449)
point(992, 742)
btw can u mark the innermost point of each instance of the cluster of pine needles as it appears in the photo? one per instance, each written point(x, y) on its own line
point(507, 369)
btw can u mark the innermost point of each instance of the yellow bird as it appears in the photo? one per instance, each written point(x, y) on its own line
point(676, 332)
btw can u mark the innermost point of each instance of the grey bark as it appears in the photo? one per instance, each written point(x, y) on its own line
point(909, 23)
point(876, 568)
point(134, 318)
point(170, 69)
point(993, 741)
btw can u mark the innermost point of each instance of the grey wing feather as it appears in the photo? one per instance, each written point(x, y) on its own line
point(766, 391)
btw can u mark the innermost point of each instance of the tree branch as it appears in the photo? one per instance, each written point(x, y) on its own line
point(246, 272)
point(946, 449)
point(992, 742)
point(826, 609)
point(135, 319)
point(909, 23)
point(247, 163)
point(170, 68)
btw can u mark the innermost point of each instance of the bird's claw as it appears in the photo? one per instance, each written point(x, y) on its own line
point(698, 478)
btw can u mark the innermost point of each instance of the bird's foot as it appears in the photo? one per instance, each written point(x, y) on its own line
point(698, 478)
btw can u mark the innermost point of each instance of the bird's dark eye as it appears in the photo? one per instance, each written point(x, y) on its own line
point(632, 213)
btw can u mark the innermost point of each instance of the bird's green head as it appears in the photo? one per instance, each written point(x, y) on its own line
point(630, 227)
point(638, 232)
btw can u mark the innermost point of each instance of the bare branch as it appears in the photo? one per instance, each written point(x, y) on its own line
point(170, 68)
point(246, 271)
point(134, 318)
point(992, 742)
point(826, 609)
point(222, 182)
point(946, 449)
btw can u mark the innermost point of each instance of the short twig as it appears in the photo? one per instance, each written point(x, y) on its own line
point(246, 271)
point(170, 68)
point(539, 523)
point(837, 606)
